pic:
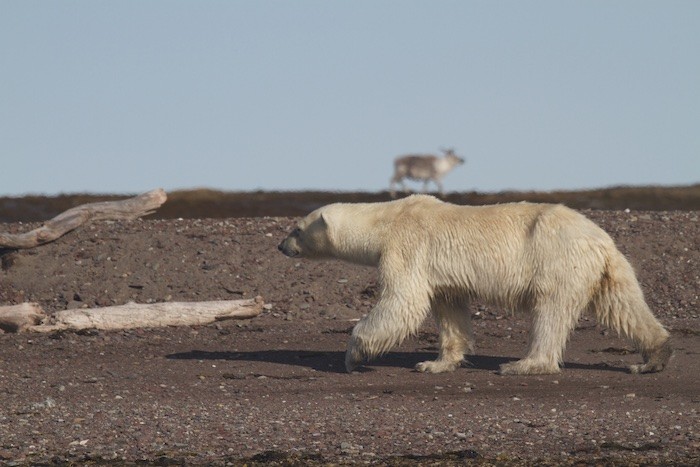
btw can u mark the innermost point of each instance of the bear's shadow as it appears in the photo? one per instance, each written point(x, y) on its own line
point(334, 362)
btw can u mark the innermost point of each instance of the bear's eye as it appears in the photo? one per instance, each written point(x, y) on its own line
point(296, 231)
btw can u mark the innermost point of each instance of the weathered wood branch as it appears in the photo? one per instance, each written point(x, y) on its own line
point(73, 218)
point(17, 318)
point(30, 317)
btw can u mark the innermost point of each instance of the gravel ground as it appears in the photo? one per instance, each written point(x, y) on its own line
point(272, 390)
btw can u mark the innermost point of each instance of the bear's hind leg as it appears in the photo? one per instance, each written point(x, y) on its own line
point(620, 304)
point(456, 336)
point(654, 361)
point(550, 331)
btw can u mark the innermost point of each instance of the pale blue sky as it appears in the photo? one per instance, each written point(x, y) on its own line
point(124, 96)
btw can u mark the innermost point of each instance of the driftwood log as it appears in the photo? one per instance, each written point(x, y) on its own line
point(17, 318)
point(30, 317)
point(73, 218)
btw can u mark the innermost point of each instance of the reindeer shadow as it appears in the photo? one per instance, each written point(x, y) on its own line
point(334, 361)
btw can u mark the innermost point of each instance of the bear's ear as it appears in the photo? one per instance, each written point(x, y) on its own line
point(325, 219)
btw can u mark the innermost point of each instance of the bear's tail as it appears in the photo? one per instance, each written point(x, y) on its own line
point(619, 304)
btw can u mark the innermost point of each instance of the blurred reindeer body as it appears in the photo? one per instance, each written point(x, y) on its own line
point(424, 167)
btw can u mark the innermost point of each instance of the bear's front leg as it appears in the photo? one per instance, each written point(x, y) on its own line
point(366, 343)
point(395, 317)
point(456, 335)
point(353, 355)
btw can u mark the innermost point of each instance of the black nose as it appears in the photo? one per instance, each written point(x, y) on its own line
point(280, 247)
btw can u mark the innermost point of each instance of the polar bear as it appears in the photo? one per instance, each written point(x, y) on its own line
point(436, 257)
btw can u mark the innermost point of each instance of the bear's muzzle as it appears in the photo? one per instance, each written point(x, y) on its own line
point(287, 250)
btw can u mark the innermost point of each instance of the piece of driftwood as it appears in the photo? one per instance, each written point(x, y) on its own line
point(17, 318)
point(30, 317)
point(73, 218)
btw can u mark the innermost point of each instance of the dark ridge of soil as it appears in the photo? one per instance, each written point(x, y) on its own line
point(272, 390)
point(193, 204)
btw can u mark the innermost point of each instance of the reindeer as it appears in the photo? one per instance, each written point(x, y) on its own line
point(425, 167)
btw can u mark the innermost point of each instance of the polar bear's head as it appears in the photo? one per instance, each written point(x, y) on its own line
point(310, 239)
point(347, 231)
